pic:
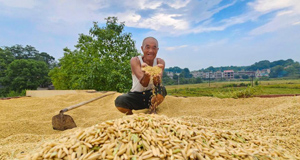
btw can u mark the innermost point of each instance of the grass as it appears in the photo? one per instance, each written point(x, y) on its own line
point(235, 89)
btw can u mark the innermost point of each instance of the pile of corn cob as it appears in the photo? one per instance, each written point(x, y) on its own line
point(142, 136)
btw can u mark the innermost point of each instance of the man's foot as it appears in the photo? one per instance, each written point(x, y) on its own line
point(125, 110)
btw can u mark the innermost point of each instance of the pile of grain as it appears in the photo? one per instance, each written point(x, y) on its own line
point(143, 136)
point(153, 71)
point(26, 122)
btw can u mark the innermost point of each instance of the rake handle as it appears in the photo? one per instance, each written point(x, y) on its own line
point(83, 103)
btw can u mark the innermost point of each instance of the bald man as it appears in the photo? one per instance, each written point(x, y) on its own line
point(141, 95)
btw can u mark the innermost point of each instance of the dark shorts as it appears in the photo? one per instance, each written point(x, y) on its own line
point(138, 100)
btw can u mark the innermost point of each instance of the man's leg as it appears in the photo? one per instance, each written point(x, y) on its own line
point(131, 101)
point(122, 104)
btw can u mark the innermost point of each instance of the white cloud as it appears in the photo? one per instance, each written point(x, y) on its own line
point(164, 21)
point(174, 17)
point(27, 4)
point(146, 4)
point(268, 6)
point(177, 3)
point(169, 17)
point(288, 13)
point(175, 47)
point(296, 23)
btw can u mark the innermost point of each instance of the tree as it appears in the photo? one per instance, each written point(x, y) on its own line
point(49, 60)
point(283, 63)
point(259, 65)
point(100, 61)
point(6, 57)
point(25, 74)
point(198, 80)
point(210, 69)
point(277, 71)
point(186, 73)
point(245, 76)
point(29, 52)
point(174, 69)
point(293, 70)
point(166, 79)
point(237, 76)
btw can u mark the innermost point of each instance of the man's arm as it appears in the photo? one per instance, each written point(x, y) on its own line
point(143, 77)
point(160, 64)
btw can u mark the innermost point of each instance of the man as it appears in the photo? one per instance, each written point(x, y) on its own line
point(140, 95)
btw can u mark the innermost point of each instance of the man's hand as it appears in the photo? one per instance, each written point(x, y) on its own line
point(144, 64)
point(145, 79)
point(160, 66)
point(156, 80)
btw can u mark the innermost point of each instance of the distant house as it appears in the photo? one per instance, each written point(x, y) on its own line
point(228, 74)
point(208, 75)
point(243, 73)
point(196, 74)
point(170, 74)
point(262, 73)
point(219, 75)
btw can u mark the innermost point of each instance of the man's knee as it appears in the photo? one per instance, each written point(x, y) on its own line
point(158, 99)
point(119, 101)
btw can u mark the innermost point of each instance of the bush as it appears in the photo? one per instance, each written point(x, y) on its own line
point(244, 84)
point(230, 85)
point(256, 82)
point(246, 93)
point(16, 94)
point(236, 85)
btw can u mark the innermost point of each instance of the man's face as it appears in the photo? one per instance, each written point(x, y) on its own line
point(149, 49)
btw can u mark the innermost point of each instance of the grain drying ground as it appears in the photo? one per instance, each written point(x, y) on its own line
point(25, 123)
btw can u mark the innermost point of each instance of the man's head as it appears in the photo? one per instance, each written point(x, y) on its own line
point(149, 48)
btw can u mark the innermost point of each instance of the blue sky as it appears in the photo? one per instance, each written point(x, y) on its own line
point(192, 34)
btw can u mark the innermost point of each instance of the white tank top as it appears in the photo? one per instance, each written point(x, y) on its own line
point(136, 85)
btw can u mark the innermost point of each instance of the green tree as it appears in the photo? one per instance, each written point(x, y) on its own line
point(186, 73)
point(283, 63)
point(277, 71)
point(25, 74)
point(6, 57)
point(259, 65)
point(100, 61)
point(43, 56)
point(166, 79)
point(29, 52)
point(237, 76)
point(245, 76)
point(20, 52)
point(210, 69)
point(174, 69)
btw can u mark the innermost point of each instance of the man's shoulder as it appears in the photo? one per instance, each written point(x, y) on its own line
point(134, 60)
point(160, 60)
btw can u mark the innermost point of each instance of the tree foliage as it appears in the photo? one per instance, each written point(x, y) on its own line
point(24, 74)
point(23, 68)
point(174, 69)
point(6, 58)
point(186, 73)
point(29, 52)
point(100, 61)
